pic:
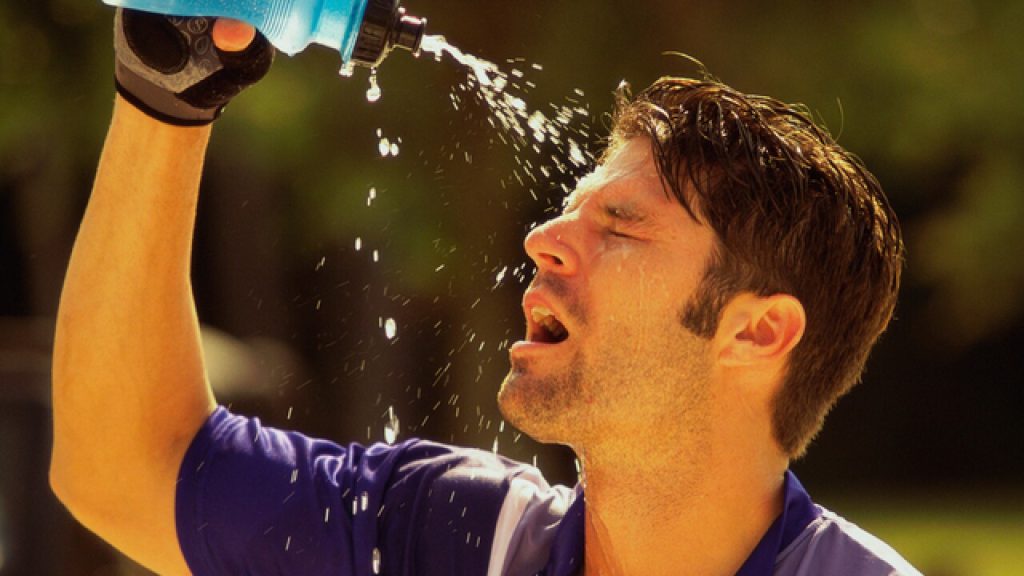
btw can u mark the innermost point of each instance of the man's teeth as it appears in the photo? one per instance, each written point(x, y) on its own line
point(540, 313)
point(546, 319)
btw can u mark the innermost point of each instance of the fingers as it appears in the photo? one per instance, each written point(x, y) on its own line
point(232, 35)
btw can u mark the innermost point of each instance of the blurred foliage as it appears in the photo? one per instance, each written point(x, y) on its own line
point(945, 534)
point(921, 89)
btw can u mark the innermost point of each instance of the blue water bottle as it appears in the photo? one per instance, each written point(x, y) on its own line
point(363, 31)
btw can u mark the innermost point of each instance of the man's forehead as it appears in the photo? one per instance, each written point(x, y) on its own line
point(630, 162)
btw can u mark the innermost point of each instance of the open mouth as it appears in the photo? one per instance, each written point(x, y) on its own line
point(545, 328)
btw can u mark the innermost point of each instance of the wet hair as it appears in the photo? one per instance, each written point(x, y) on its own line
point(793, 213)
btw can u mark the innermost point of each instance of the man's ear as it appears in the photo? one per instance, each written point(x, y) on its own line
point(759, 329)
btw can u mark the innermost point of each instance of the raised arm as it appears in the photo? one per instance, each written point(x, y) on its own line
point(129, 385)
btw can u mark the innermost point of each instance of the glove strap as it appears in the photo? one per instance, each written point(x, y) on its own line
point(141, 92)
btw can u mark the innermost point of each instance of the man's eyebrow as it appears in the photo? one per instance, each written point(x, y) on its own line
point(627, 212)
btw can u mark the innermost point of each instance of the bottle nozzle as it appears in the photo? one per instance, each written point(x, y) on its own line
point(386, 25)
point(408, 32)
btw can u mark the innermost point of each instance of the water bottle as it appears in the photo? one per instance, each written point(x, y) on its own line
point(363, 31)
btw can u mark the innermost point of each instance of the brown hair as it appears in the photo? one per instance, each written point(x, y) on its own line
point(793, 213)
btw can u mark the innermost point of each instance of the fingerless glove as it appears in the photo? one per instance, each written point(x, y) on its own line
point(169, 67)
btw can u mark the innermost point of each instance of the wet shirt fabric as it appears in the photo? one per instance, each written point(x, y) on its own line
point(253, 500)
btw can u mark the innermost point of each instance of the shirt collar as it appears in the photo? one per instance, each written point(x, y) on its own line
point(797, 512)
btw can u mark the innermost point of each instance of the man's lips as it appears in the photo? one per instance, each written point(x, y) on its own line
point(544, 324)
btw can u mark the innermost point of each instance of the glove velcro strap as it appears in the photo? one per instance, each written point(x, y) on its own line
point(139, 92)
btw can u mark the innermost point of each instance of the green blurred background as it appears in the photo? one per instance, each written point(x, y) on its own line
point(928, 452)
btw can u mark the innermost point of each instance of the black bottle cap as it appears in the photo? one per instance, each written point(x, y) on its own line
point(385, 25)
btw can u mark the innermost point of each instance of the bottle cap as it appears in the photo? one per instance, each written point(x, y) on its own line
point(386, 25)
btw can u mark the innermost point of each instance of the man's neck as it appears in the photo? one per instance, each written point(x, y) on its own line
point(662, 511)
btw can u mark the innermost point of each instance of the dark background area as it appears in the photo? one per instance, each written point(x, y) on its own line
point(928, 93)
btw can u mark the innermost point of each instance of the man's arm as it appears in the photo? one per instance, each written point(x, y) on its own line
point(129, 385)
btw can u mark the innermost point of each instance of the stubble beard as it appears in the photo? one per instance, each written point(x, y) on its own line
point(611, 388)
point(545, 407)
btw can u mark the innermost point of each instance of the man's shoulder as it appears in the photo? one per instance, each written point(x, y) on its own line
point(833, 545)
point(251, 496)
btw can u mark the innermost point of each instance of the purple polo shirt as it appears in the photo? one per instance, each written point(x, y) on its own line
point(260, 501)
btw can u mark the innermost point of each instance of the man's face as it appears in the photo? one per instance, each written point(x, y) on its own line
point(604, 345)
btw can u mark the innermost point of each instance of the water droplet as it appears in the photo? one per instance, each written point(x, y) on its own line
point(364, 501)
point(373, 93)
point(359, 243)
point(390, 328)
point(394, 149)
point(376, 561)
point(384, 147)
point(391, 427)
point(576, 154)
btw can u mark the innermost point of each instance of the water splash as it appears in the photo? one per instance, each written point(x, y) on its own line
point(484, 70)
point(545, 141)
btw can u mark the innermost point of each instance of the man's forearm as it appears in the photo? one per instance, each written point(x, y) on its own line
point(129, 386)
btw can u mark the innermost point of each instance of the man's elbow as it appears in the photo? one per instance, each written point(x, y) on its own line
point(67, 486)
point(88, 495)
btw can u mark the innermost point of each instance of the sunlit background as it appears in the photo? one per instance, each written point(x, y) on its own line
point(338, 286)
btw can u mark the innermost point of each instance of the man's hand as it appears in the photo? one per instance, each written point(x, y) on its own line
point(183, 71)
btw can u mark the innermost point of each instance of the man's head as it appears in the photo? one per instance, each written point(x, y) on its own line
point(787, 212)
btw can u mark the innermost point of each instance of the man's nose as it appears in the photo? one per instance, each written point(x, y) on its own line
point(547, 245)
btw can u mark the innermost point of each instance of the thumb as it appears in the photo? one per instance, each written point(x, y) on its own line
point(232, 35)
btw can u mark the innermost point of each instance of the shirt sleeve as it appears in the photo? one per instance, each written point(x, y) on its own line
point(257, 500)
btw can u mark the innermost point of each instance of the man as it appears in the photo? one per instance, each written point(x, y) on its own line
point(709, 291)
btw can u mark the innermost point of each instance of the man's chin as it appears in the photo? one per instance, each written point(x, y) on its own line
point(534, 406)
point(510, 401)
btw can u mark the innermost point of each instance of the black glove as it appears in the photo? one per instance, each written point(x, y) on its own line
point(168, 66)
